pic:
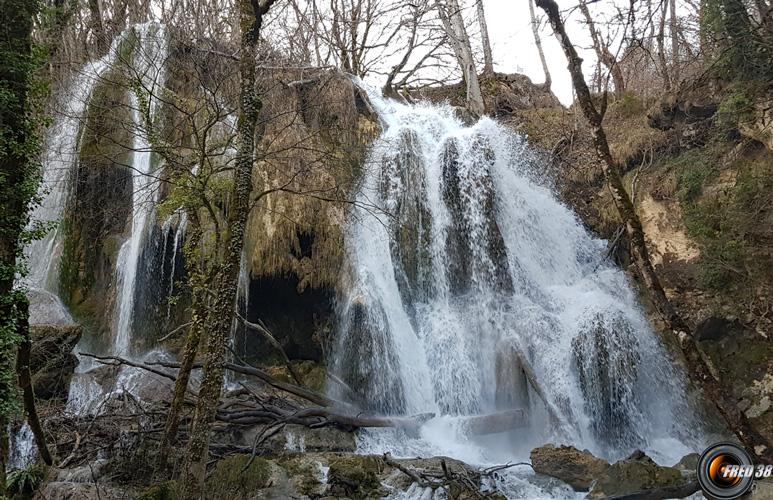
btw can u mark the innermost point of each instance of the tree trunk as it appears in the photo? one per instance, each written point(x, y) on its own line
point(674, 45)
point(453, 23)
point(538, 43)
point(18, 184)
point(660, 38)
point(226, 281)
point(488, 59)
point(97, 28)
point(192, 339)
point(699, 372)
point(25, 379)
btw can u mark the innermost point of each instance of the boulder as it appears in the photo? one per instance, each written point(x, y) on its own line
point(355, 476)
point(688, 463)
point(52, 361)
point(640, 473)
point(576, 468)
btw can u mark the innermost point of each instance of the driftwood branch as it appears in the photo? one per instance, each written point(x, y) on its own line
point(261, 328)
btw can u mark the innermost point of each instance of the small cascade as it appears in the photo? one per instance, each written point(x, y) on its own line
point(60, 158)
point(172, 236)
point(475, 291)
point(22, 451)
point(149, 64)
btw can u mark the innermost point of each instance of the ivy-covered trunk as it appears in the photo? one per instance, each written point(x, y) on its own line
point(18, 184)
point(198, 285)
point(221, 309)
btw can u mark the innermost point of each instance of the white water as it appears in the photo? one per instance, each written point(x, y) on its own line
point(148, 63)
point(438, 301)
point(59, 162)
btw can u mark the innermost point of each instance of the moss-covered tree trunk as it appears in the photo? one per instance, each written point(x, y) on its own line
point(699, 372)
point(18, 183)
point(25, 379)
point(193, 337)
point(221, 310)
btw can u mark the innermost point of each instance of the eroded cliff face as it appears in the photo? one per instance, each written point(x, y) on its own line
point(317, 126)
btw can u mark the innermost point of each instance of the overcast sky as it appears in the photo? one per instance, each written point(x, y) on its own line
point(512, 43)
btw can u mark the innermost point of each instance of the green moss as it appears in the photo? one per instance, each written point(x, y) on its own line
point(735, 108)
point(163, 491)
point(627, 105)
point(730, 220)
point(304, 474)
point(355, 476)
point(230, 480)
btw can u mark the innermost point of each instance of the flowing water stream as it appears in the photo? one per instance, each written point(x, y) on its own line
point(470, 290)
point(473, 290)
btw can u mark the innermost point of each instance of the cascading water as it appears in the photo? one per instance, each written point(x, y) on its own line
point(149, 64)
point(472, 290)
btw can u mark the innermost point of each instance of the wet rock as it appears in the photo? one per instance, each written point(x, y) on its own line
point(576, 468)
point(688, 463)
point(52, 361)
point(468, 192)
point(606, 356)
point(57, 490)
point(404, 188)
point(368, 343)
point(636, 474)
point(47, 309)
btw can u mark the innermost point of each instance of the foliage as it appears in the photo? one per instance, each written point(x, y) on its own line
point(732, 110)
point(25, 481)
point(728, 218)
point(743, 47)
point(20, 97)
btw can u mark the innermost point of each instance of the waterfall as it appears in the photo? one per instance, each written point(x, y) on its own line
point(470, 272)
point(59, 161)
point(149, 64)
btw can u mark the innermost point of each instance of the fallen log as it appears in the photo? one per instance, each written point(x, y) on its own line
point(561, 424)
point(320, 417)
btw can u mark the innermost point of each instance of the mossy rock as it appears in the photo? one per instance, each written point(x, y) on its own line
point(168, 490)
point(304, 475)
point(355, 476)
point(230, 480)
point(635, 474)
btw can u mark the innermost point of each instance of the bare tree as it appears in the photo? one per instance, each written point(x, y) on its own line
point(453, 23)
point(538, 43)
point(488, 64)
point(602, 49)
point(220, 318)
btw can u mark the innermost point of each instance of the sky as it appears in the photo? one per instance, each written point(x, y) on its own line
point(514, 51)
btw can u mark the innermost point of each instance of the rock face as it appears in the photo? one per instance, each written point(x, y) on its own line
point(576, 468)
point(639, 473)
point(52, 361)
